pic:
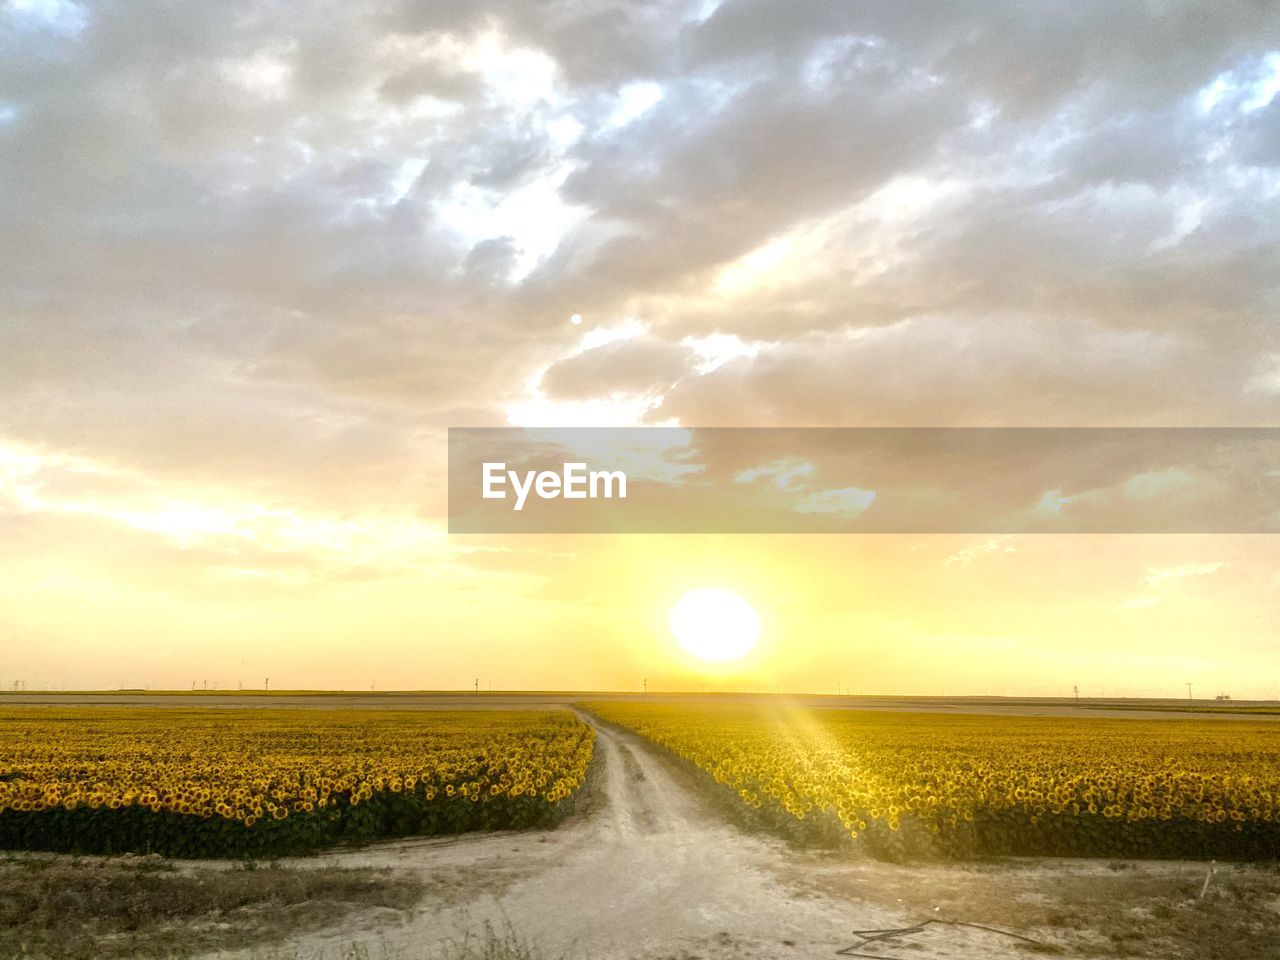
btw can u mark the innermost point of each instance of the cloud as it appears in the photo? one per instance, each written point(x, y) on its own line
point(1162, 579)
point(211, 524)
point(278, 251)
point(389, 210)
point(1157, 483)
point(987, 548)
point(843, 502)
point(1164, 574)
point(781, 473)
point(641, 364)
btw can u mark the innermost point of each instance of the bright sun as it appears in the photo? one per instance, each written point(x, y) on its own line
point(715, 625)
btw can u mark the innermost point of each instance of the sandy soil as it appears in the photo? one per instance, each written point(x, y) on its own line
point(651, 872)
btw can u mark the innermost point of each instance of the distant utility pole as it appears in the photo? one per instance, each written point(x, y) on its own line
point(266, 684)
point(1189, 697)
point(1076, 691)
point(477, 686)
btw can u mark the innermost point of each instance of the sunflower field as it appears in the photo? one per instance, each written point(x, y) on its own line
point(233, 782)
point(958, 786)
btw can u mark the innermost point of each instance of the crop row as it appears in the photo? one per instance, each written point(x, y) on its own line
point(230, 782)
point(959, 786)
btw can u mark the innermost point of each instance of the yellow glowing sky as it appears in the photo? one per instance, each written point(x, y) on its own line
point(255, 269)
point(152, 585)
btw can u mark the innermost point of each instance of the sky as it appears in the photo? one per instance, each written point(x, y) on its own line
point(258, 257)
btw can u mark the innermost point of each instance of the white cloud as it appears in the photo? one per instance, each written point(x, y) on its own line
point(634, 101)
point(410, 170)
point(846, 501)
point(1247, 88)
point(992, 547)
point(628, 329)
point(1265, 87)
point(716, 349)
point(265, 75)
point(59, 16)
point(533, 215)
point(1160, 580)
point(1158, 575)
point(1053, 501)
point(55, 484)
point(615, 410)
point(781, 473)
point(1146, 486)
point(1266, 376)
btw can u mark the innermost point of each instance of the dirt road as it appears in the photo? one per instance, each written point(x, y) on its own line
point(651, 872)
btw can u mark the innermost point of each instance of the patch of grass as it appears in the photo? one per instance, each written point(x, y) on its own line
point(1145, 914)
point(490, 943)
point(143, 907)
point(494, 944)
point(1089, 909)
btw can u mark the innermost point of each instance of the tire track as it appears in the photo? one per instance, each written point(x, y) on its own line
point(651, 873)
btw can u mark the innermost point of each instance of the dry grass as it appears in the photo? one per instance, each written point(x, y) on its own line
point(143, 907)
point(1087, 907)
point(1140, 912)
point(491, 943)
point(494, 944)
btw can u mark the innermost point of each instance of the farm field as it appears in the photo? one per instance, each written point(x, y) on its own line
point(955, 786)
point(192, 782)
point(646, 859)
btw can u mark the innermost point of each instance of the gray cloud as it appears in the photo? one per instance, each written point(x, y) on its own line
point(272, 246)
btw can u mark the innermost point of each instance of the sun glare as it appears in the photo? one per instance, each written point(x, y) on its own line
point(715, 625)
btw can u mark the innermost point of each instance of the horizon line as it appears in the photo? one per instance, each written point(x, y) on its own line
point(571, 692)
